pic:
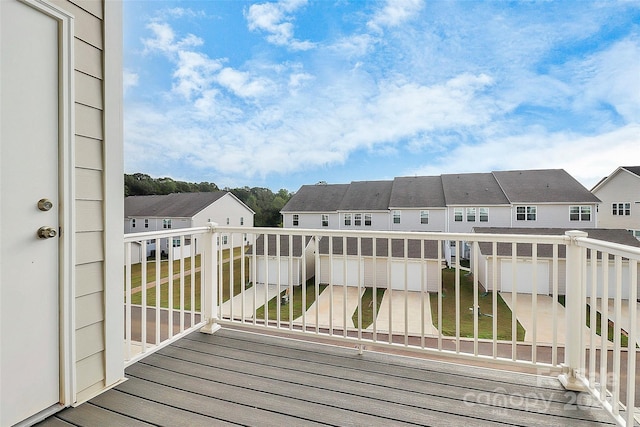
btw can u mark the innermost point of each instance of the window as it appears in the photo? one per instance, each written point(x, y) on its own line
point(457, 214)
point(166, 223)
point(526, 213)
point(227, 220)
point(225, 239)
point(325, 220)
point(357, 219)
point(396, 217)
point(133, 223)
point(424, 217)
point(484, 214)
point(347, 219)
point(621, 209)
point(580, 213)
point(146, 223)
point(296, 220)
point(471, 214)
point(241, 220)
point(367, 219)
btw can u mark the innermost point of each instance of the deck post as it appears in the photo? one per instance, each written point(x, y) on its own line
point(209, 293)
point(574, 323)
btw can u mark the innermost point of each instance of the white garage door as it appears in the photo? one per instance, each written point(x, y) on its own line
point(524, 279)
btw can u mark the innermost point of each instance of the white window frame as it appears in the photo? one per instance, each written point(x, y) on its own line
point(526, 213)
point(146, 223)
point(397, 217)
point(470, 215)
point(483, 214)
point(424, 217)
point(324, 220)
point(295, 220)
point(133, 223)
point(458, 214)
point(367, 220)
point(347, 220)
point(357, 219)
point(166, 223)
point(580, 213)
point(241, 220)
point(621, 208)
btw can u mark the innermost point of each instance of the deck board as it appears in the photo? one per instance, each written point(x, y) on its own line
point(236, 377)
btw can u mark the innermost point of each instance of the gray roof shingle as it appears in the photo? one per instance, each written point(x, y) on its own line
point(633, 169)
point(367, 195)
point(472, 189)
point(417, 192)
point(317, 198)
point(176, 205)
point(620, 236)
point(543, 186)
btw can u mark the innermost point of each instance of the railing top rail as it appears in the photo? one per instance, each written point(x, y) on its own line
point(609, 247)
point(147, 235)
point(470, 237)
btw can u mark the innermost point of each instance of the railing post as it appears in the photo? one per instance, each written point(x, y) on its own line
point(209, 297)
point(574, 324)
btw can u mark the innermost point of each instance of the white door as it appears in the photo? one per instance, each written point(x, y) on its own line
point(29, 264)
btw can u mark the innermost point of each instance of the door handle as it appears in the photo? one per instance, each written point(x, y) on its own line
point(47, 232)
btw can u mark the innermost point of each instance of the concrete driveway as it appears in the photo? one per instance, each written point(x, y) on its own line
point(544, 318)
point(395, 306)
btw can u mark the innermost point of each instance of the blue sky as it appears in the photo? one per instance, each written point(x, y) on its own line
point(285, 93)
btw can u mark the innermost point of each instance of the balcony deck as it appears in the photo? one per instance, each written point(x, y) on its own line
point(236, 377)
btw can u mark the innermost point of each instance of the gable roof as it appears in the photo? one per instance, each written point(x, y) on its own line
point(176, 205)
point(367, 195)
point(635, 170)
point(315, 198)
point(417, 192)
point(472, 189)
point(543, 186)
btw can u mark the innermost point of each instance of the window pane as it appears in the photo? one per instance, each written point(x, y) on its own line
point(347, 219)
point(457, 214)
point(574, 213)
point(358, 219)
point(396, 217)
point(484, 214)
point(471, 214)
point(424, 217)
point(367, 219)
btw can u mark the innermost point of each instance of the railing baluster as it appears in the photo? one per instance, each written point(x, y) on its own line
point(593, 255)
point(514, 302)
point(554, 309)
point(604, 325)
point(440, 260)
point(192, 267)
point(494, 298)
point(158, 307)
point(631, 343)
point(170, 288)
point(290, 282)
point(182, 285)
point(128, 325)
point(374, 250)
point(457, 287)
point(617, 344)
point(476, 303)
point(278, 280)
point(143, 291)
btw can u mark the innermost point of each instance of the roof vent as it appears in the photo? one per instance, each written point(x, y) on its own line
point(321, 183)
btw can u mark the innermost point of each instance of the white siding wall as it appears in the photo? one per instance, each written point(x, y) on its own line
point(410, 220)
point(312, 220)
point(499, 216)
point(620, 188)
point(554, 216)
point(96, 363)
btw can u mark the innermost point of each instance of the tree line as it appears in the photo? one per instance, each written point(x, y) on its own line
point(265, 203)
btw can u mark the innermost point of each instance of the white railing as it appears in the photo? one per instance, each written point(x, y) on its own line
point(163, 293)
point(522, 299)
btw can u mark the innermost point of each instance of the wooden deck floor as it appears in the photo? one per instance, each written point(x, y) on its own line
point(241, 378)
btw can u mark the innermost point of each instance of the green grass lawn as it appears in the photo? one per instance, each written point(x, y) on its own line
point(136, 270)
point(295, 300)
point(369, 313)
point(136, 298)
point(485, 323)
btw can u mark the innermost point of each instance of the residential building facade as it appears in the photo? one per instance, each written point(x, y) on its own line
point(186, 210)
point(620, 195)
point(447, 203)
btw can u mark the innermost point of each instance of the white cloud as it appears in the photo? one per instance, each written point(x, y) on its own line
point(394, 13)
point(586, 158)
point(129, 80)
point(276, 20)
point(241, 83)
